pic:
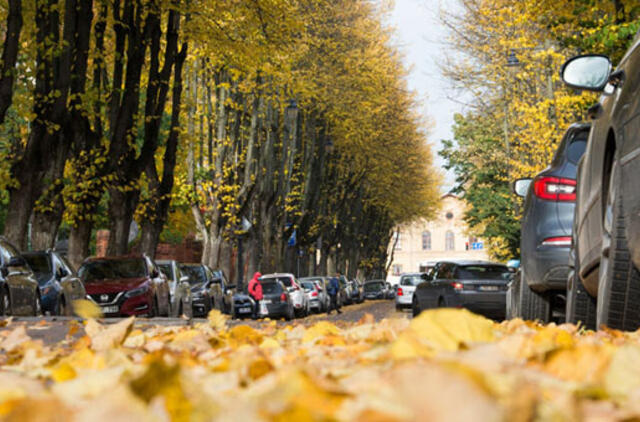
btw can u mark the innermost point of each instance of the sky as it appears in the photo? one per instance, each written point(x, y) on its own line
point(419, 34)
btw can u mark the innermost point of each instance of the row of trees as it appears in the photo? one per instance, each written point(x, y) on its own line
point(508, 56)
point(271, 122)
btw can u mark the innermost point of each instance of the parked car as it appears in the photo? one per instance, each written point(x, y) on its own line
point(59, 285)
point(19, 291)
point(179, 288)
point(277, 302)
point(606, 254)
point(312, 291)
point(296, 293)
point(545, 239)
point(126, 285)
point(243, 304)
point(357, 293)
point(375, 289)
point(406, 287)
point(205, 294)
point(323, 296)
point(345, 291)
point(479, 286)
point(227, 290)
point(390, 292)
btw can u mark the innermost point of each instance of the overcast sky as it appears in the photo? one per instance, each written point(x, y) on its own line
point(420, 35)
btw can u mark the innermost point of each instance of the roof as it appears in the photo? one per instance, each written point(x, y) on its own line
point(275, 275)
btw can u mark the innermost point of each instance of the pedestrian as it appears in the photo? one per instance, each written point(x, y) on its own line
point(334, 290)
point(255, 291)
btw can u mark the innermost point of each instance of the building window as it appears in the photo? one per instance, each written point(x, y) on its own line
point(397, 269)
point(426, 241)
point(449, 241)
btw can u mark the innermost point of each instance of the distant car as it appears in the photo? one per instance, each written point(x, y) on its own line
point(203, 295)
point(479, 286)
point(19, 291)
point(296, 293)
point(375, 289)
point(545, 239)
point(179, 287)
point(345, 291)
point(313, 295)
point(323, 296)
point(126, 285)
point(277, 302)
point(357, 293)
point(406, 287)
point(59, 285)
point(390, 292)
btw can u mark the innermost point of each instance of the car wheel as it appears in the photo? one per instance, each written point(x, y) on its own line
point(532, 305)
point(415, 307)
point(580, 305)
point(6, 302)
point(619, 280)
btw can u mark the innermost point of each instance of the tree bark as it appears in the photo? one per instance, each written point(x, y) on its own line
point(79, 240)
point(10, 55)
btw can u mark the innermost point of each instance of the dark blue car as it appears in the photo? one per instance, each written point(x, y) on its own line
point(59, 286)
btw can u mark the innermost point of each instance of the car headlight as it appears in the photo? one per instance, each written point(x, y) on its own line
point(137, 292)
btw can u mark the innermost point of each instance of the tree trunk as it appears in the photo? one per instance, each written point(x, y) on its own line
point(10, 55)
point(19, 212)
point(44, 228)
point(150, 237)
point(79, 240)
point(121, 209)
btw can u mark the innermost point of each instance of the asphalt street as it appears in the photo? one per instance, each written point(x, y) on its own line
point(53, 330)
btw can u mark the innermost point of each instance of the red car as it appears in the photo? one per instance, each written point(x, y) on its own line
point(126, 285)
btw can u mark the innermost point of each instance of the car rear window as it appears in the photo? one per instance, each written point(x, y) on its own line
point(576, 150)
point(113, 269)
point(308, 285)
point(195, 273)
point(482, 272)
point(284, 280)
point(373, 287)
point(411, 280)
point(271, 287)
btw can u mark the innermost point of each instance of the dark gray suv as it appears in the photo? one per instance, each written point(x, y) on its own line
point(607, 226)
point(545, 239)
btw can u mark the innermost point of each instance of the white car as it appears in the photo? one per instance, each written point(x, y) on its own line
point(296, 292)
point(406, 287)
point(321, 284)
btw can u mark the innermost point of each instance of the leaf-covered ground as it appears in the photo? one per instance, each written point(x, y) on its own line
point(444, 365)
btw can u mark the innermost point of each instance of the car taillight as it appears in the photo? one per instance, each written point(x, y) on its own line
point(555, 189)
point(283, 297)
point(399, 291)
point(314, 294)
point(557, 241)
point(457, 286)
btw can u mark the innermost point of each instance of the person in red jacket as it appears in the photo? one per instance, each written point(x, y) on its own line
point(255, 291)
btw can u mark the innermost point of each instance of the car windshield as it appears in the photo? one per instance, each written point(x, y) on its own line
point(482, 272)
point(271, 287)
point(166, 270)
point(374, 286)
point(195, 273)
point(411, 280)
point(112, 269)
point(285, 280)
point(308, 285)
point(41, 266)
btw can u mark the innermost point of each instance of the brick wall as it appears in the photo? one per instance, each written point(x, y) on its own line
point(190, 250)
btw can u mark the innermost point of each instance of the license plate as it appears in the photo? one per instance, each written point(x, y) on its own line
point(488, 288)
point(244, 310)
point(267, 301)
point(109, 309)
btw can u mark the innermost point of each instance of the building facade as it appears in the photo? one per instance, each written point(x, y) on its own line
point(418, 245)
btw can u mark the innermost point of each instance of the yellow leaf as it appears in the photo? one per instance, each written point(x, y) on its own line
point(86, 309)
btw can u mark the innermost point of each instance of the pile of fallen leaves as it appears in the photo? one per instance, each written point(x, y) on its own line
point(444, 365)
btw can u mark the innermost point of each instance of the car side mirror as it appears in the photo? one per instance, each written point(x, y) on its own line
point(61, 273)
point(589, 72)
point(16, 261)
point(154, 274)
point(521, 187)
